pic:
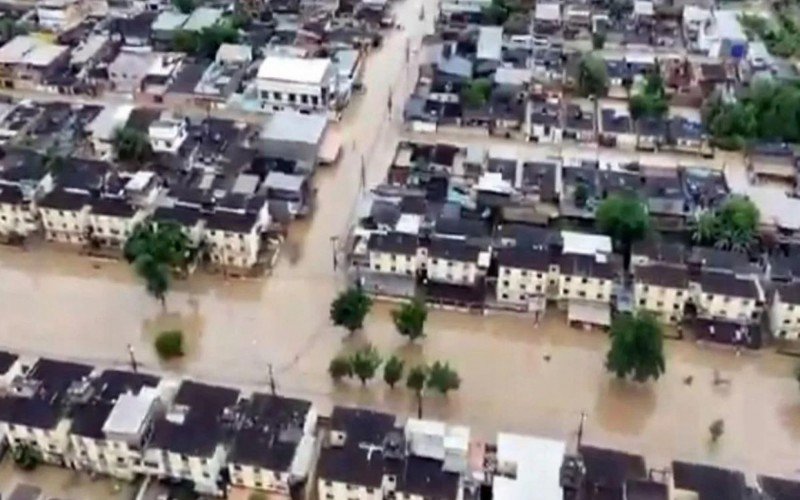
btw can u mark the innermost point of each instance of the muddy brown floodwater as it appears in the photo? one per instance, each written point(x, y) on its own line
point(59, 304)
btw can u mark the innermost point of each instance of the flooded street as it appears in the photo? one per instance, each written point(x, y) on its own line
point(59, 304)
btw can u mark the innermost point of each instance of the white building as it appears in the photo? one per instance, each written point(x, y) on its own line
point(723, 36)
point(102, 129)
point(188, 443)
point(58, 15)
point(463, 6)
point(168, 133)
point(18, 219)
point(784, 314)
point(275, 447)
point(724, 295)
point(65, 216)
point(368, 456)
point(32, 411)
point(234, 238)
point(110, 428)
point(394, 253)
point(307, 85)
point(111, 221)
point(527, 467)
point(662, 290)
point(523, 277)
point(455, 262)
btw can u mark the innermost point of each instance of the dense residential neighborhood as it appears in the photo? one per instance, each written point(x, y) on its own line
point(531, 175)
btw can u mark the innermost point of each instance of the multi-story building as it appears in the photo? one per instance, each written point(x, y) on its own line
point(274, 447)
point(394, 253)
point(308, 85)
point(727, 296)
point(454, 261)
point(65, 216)
point(189, 219)
point(168, 133)
point(33, 412)
point(27, 61)
point(111, 221)
point(112, 423)
point(368, 456)
point(661, 289)
point(58, 15)
point(523, 275)
point(188, 442)
point(784, 313)
point(18, 219)
point(234, 238)
point(102, 129)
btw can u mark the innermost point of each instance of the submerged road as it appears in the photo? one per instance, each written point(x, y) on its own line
point(516, 377)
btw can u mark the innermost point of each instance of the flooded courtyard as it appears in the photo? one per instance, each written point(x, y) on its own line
point(515, 377)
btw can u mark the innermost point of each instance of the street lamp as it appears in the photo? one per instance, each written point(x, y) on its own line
point(132, 355)
point(334, 240)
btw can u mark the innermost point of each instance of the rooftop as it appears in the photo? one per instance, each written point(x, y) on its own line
point(295, 69)
point(396, 243)
point(729, 284)
point(195, 423)
point(232, 221)
point(538, 464)
point(292, 126)
point(271, 432)
point(60, 199)
point(662, 275)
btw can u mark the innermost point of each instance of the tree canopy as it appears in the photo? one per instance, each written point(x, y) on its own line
point(416, 380)
point(131, 145)
point(766, 112)
point(393, 371)
point(169, 344)
point(624, 218)
point(732, 226)
point(184, 6)
point(476, 93)
point(637, 347)
point(781, 35)
point(442, 378)
point(155, 250)
point(651, 99)
point(350, 308)
point(207, 41)
point(340, 367)
point(365, 363)
point(592, 76)
point(410, 319)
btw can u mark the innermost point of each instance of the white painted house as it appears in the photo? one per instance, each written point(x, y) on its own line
point(285, 82)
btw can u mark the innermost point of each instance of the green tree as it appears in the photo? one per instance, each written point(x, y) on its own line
point(650, 102)
point(131, 145)
point(26, 457)
point(496, 13)
point(598, 40)
point(442, 378)
point(350, 308)
point(340, 367)
point(393, 371)
point(365, 363)
point(184, 6)
point(212, 37)
point(624, 218)
point(705, 228)
point(592, 76)
point(476, 93)
point(580, 195)
point(53, 161)
point(410, 319)
point(637, 347)
point(186, 41)
point(416, 380)
point(169, 344)
point(155, 251)
point(10, 28)
point(733, 226)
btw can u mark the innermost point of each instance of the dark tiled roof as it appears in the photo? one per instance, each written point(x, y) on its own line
point(643, 489)
point(660, 251)
point(232, 221)
point(661, 275)
point(587, 265)
point(397, 243)
point(11, 195)
point(523, 258)
point(114, 207)
point(88, 419)
point(59, 199)
point(608, 470)
point(43, 409)
point(351, 463)
point(529, 236)
point(187, 78)
point(728, 284)
point(6, 360)
point(270, 433)
point(461, 227)
point(790, 293)
point(181, 215)
point(779, 488)
point(450, 249)
point(424, 477)
point(710, 483)
point(203, 427)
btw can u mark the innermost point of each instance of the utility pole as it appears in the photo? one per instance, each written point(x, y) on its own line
point(580, 429)
point(271, 380)
point(134, 364)
point(334, 239)
point(363, 174)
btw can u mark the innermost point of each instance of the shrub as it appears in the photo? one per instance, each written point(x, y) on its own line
point(169, 344)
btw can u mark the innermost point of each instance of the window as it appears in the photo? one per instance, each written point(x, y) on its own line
point(659, 304)
point(539, 275)
point(679, 293)
point(538, 288)
point(566, 292)
point(505, 283)
point(599, 296)
point(524, 273)
point(581, 294)
point(709, 297)
point(522, 286)
point(645, 288)
point(568, 279)
point(277, 95)
point(676, 306)
point(585, 280)
point(641, 302)
point(292, 98)
point(506, 271)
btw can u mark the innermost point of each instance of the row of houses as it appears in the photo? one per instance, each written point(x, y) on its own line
point(126, 424)
point(226, 184)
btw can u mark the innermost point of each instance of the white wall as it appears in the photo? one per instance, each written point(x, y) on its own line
point(665, 302)
point(65, 226)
